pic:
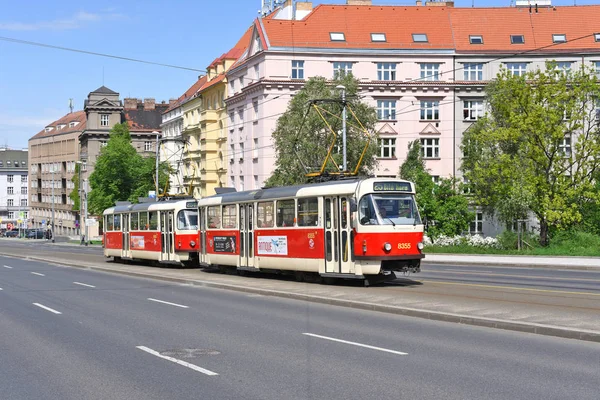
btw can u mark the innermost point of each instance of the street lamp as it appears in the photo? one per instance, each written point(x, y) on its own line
point(343, 89)
point(82, 198)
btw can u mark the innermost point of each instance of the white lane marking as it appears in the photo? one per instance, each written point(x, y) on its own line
point(84, 284)
point(6, 266)
point(47, 308)
point(1, 288)
point(356, 344)
point(37, 273)
point(176, 361)
point(166, 302)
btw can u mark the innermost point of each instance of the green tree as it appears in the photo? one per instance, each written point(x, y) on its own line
point(121, 173)
point(74, 195)
point(537, 149)
point(444, 208)
point(302, 138)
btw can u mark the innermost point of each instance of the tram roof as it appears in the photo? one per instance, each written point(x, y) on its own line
point(149, 206)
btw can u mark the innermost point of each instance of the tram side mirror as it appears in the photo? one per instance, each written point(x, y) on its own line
point(353, 206)
point(364, 220)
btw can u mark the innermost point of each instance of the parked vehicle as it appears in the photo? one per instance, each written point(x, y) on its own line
point(35, 234)
point(13, 233)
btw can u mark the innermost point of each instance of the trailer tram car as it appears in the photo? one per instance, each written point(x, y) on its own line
point(359, 228)
point(165, 232)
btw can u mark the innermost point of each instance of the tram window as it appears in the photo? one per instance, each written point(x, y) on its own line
point(117, 222)
point(214, 221)
point(111, 224)
point(153, 220)
point(264, 215)
point(286, 213)
point(134, 222)
point(229, 216)
point(144, 221)
point(187, 220)
point(308, 212)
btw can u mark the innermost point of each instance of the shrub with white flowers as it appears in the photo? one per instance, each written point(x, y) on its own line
point(468, 240)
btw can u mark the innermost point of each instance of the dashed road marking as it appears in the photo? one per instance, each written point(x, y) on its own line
point(356, 344)
point(7, 266)
point(166, 302)
point(176, 361)
point(38, 274)
point(47, 308)
point(84, 284)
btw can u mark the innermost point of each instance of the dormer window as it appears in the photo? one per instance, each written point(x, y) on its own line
point(378, 37)
point(597, 37)
point(73, 124)
point(475, 39)
point(559, 38)
point(517, 39)
point(337, 36)
point(48, 128)
point(419, 37)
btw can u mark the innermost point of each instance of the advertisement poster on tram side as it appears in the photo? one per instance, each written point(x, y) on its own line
point(137, 243)
point(224, 244)
point(272, 245)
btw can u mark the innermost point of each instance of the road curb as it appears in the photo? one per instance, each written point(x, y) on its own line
point(461, 263)
point(540, 329)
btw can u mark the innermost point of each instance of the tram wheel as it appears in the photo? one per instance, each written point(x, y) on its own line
point(117, 259)
point(299, 276)
point(222, 269)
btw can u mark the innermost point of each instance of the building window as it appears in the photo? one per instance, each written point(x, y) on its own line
point(11, 215)
point(297, 69)
point(597, 37)
point(255, 109)
point(23, 178)
point(564, 67)
point(10, 190)
point(341, 68)
point(597, 65)
point(477, 223)
point(378, 37)
point(430, 110)
point(24, 190)
point(565, 146)
point(419, 37)
point(475, 39)
point(241, 116)
point(430, 148)
point(387, 148)
point(472, 110)
point(104, 119)
point(103, 143)
point(84, 166)
point(337, 36)
point(559, 38)
point(473, 71)
point(386, 71)
point(10, 202)
point(24, 203)
point(148, 146)
point(517, 69)
point(386, 109)
point(10, 178)
point(517, 39)
point(257, 72)
point(430, 72)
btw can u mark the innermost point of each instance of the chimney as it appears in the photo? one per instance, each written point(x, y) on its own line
point(149, 104)
point(303, 8)
point(130, 103)
point(438, 3)
point(359, 2)
point(419, 3)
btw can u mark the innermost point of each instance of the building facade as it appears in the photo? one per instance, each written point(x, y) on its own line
point(14, 204)
point(423, 68)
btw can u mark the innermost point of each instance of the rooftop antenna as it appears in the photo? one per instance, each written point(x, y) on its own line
point(71, 105)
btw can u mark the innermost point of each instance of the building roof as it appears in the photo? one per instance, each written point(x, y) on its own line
point(104, 90)
point(446, 28)
point(78, 117)
point(144, 120)
point(13, 160)
point(188, 93)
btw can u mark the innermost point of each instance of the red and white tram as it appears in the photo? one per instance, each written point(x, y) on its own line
point(165, 232)
point(359, 228)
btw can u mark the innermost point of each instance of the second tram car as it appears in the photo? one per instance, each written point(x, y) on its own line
point(357, 228)
point(164, 232)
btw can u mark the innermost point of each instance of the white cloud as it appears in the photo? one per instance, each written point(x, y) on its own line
point(78, 20)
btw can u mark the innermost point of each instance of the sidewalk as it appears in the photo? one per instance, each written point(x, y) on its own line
point(563, 262)
point(574, 316)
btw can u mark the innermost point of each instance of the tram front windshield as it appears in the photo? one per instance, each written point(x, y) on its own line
point(388, 209)
point(187, 220)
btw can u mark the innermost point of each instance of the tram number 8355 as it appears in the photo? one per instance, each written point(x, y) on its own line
point(404, 246)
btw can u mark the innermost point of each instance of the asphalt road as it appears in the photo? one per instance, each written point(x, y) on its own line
point(113, 333)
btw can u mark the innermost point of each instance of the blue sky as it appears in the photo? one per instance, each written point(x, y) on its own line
point(36, 83)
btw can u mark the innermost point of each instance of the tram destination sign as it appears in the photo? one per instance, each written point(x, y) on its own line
point(191, 204)
point(391, 187)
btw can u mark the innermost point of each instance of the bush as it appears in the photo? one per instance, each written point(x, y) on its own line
point(468, 240)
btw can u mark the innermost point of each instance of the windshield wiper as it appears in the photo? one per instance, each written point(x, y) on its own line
point(389, 219)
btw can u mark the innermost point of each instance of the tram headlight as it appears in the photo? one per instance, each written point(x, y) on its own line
point(420, 245)
point(387, 247)
point(193, 244)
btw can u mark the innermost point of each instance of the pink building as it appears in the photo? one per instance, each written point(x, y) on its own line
point(424, 68)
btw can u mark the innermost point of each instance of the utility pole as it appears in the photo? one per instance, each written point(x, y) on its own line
point(86, 238)
point(345, 161)
point(52, 229)
point(157, 159)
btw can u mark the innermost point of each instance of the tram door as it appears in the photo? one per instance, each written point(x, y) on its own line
point(167, 236)
point(126, 252)
point(338, 236)
point(203, 257)
point(246, 235)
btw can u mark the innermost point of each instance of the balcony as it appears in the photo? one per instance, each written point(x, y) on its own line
point(209, 116)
